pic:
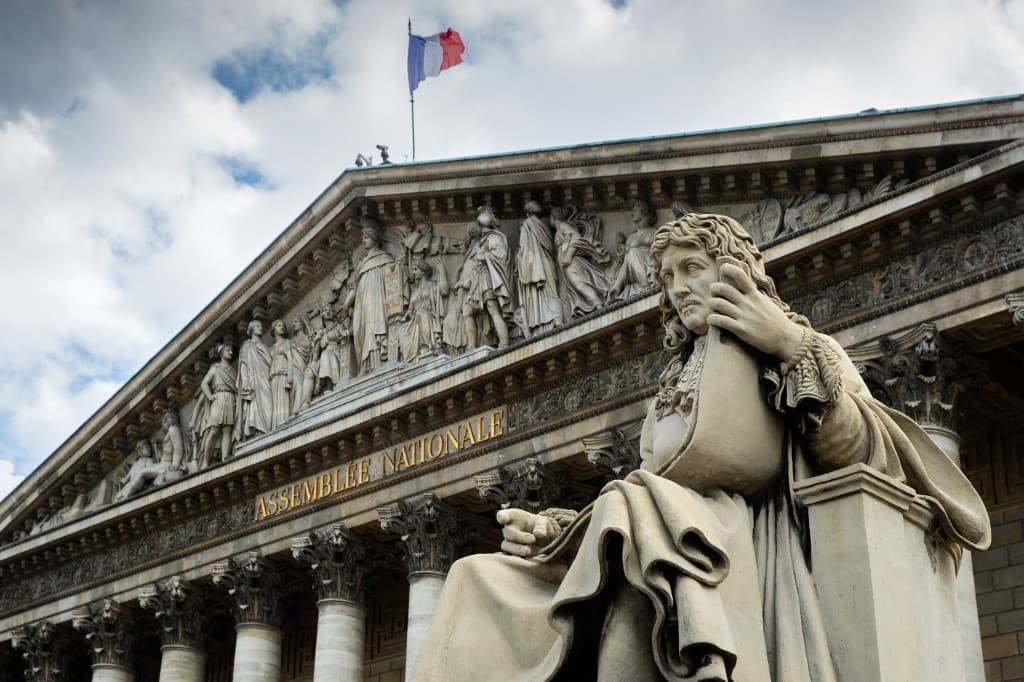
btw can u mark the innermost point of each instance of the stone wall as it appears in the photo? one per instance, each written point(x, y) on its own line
point(999, 579)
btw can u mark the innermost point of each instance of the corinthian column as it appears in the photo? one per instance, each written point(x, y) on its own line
point(432, 535)
point(339, 563)
point(178, 609)
point(108, 629)
point(43, 651)
point(924, 377)
point(252, 583)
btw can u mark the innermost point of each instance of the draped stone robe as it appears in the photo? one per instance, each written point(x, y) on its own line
point(719, 569)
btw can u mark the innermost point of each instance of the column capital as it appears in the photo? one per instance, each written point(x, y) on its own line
point(178, 608)
point(529, 484)
point(920, 374)
point(253, 583)
point(339, 560)
point(42, 647)
point(615, 450)
point(433, 533)
point(108, 629)
point(1015, 302)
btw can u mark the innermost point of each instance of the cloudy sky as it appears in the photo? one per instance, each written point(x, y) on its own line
point(149, 150)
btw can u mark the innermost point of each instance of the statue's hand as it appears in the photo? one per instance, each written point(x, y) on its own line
point(523, 533)
point(738, 306)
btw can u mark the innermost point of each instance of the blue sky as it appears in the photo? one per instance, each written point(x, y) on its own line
point(149, 150)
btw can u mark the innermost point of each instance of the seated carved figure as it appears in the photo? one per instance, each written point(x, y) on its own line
point(694, 567)
point(143, 473)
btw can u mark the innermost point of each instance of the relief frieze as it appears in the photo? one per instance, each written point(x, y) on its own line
point(912, 277)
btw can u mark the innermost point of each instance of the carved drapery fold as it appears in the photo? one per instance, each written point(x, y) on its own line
point(109, 630)
point(616, 450)
point(254, 585)
point(433, 533)
point(922, 375)
point(178, 608)
point(42, 647)
point(529, 485)
point(339, 561)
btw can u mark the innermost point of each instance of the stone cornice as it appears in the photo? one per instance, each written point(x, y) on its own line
point(313, 234)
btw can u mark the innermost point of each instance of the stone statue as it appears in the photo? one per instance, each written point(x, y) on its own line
point(636, 274)
point(332, 349)
point(144, 472)
point(213, 419)
point(421, 243)
point(304, 367)
point(580, 257)
point(537, 275)
point(377, 297)
point(255, 398)
point(482, 294)
point(695, 567)
point(174, 448)
point(420, 333)
point(282, 378)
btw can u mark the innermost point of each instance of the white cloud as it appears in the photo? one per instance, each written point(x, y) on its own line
point(8, 479)
point(120, 222)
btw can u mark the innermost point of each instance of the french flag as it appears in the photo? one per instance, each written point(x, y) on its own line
point(431, 55)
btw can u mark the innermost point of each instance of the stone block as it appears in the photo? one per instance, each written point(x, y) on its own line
point(987, 625)
point(983, 582)
point(991, 559)
point(1007, 533)
point(999, 646)
point(1011, 576)
point(1012, 667)
point(1010, 621)
point(995, 602)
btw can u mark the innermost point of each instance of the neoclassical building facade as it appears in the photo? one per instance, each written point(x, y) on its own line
point(278, 494)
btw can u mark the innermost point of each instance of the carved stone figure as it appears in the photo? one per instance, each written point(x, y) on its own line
point(694, 567)
point(332, 349)
point(304, 366)
point(536, 274)
point(421, 243)
point(636, 274)
point(144, 471)
point(420, 333)
point(377, 297)
point(281, 375)
point(213, 419)
point(174, 452)
point(255, 398)
point(482, 294)
point(585, 283)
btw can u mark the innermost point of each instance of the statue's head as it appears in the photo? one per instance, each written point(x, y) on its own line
point(704, 240)
point(254, 330)
point(225, 351)
point(533, 207)
point(643, 214)
point(170, 418)
point(422, 269)
point(278, 328)
point(298, 326)
point(144, 449)
point(486, 218)
point(371, 236)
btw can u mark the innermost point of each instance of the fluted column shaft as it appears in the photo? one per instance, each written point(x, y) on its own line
point(182, 663)
point(424, 591)
point(340, 641)
point(257, 653)
point(109, 672)
point(254, 586)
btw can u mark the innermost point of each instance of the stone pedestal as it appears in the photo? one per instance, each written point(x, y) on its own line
point(108, 672)
point(424, 590)
point(180, 663)
point(340, 641)
point(886, 584)
point(257, 653)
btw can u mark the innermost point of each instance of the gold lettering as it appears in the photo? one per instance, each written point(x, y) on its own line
point(335, 482)
point(440, 446)
point(261, 509)
point(272, 503)
point(497, 417)
point(480, 437)
point(284, 499)
point(467, 433)
point(403, 458)
point(450, 439)
point(389, 463)
point(350, 471)
point(325, 485)
point(295, 496)
point(422, 450)
point(309, 492)
point(364, 472)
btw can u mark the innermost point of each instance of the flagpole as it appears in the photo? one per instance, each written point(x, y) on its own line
point(412, 108)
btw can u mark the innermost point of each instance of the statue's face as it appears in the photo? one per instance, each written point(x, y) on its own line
point(227, 352)
point(417, 271)
point(278, 328)
point(257, 330)
point(638, 213)
point(369, 241)
point(296, 325)
point(687, 273)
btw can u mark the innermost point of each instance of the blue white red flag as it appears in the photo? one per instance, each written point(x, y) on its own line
point(429, 56)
